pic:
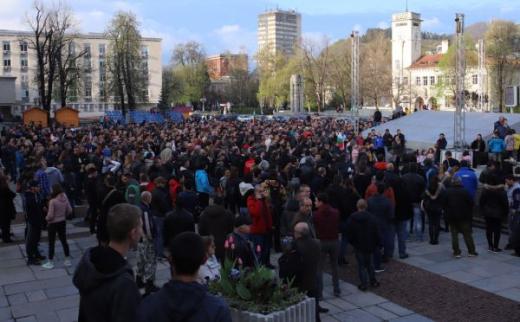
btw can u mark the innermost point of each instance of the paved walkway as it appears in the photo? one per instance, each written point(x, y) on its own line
point(495, 273)
point(34, 294)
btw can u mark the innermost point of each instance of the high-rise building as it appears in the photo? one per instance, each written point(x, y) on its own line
point(221, 65)
point(19, 62)
point(280, 31)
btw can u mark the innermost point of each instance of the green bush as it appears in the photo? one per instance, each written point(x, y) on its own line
point(255, 290)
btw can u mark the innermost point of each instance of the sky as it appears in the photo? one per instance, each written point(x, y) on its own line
point(221, 25)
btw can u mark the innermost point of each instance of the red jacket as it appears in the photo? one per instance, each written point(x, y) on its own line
point(260, 213)
point(326, 222)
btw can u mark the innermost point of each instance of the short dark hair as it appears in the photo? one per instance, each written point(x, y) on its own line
point(187, 253)
point(323, 197)
point(122, 218)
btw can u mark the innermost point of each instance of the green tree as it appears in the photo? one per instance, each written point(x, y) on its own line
point(127, 66)
point(190, 73)
point(502, 41)
point(165, 100)
point(375, 70)
point(339, 71)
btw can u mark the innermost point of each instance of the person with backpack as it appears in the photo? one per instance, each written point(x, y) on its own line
point(59, 208)
point(494, 207)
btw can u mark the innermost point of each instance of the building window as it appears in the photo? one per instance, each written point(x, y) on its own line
point(101, 50)
point(7, 46)
point(432, 80)
point(88, 91)
point(23, 47)
point(7, 63)
point(72, 48)
point(418, 81)
point(475, 79)
point(425, 80)
point(24, 63)
point(144, 52)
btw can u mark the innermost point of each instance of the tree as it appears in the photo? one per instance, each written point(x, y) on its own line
point(448, 66)
point(242, 88)
point(315, 65)
point(376, 69)
point(502, 41)
point(340, 70)
point(128, 71)
point(190, 73)
point(165, 100)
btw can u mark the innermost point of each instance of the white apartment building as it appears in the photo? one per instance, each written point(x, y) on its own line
point(19, 61)
point(280, 31)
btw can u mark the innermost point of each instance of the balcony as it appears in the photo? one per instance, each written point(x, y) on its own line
point(7, 52)
point(24, 68)
point(7, 68)
point(23, 53)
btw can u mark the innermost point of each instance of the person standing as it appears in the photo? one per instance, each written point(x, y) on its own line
point(92, 192)
point(479, 148)
point(260, 212)
point(8, 211)
point(363, 234)
point(381, 207)
point(513, 196)
point(146, 257)
point(468, 177)
point(202, 185)
point(34, 206)
point(494, 206)
point(176, 222)
point(161, 205)
point(183, 298)
point(414, 186)
point(104, 278)
point(439, 146)
point(432, 205)
point(59, 208)
point(239, 247)
point(459, 214)
point(326, 221)
point(216, 221)
point(111, 198)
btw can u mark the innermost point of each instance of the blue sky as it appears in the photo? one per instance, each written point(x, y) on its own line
point(231, 24)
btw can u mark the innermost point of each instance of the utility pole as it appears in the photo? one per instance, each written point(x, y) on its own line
point(481, 75)
point(460, 113)
point(354, 78)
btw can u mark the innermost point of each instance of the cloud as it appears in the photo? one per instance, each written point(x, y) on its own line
point(431, 23)
point(383, 25)
point(234, 38)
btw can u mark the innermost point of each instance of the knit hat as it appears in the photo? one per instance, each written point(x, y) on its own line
point(245, 187)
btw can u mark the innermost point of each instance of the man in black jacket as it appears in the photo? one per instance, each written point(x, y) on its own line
point(34, 215)
point(177, 222)
point(161, 205)
point(182, 298)
point(217, 221)
point(362, 233)
point(105, 280)
point(459, 213)
point(381, 207)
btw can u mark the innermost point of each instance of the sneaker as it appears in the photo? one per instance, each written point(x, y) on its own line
point(322, 309)
point(472, 254)
point(34, 262)
point(404, 256)
point(490, 249)
point(67, 262)
point(374, 284)
point(496, 250)
point(48, 265)
point(457, 255)
point(362, 288)
point(380, 270)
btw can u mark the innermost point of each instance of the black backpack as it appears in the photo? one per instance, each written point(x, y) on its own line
point(291, 266)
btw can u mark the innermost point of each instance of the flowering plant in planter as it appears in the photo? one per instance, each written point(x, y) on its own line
point(254, 289)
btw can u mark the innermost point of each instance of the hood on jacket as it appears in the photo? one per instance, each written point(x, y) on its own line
point(245, 187)
point(182, 299)
point(98, 265)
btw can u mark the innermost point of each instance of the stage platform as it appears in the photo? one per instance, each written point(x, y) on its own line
point(422, 129)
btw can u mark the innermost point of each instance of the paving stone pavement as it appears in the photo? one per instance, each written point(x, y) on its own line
point(494, 273)
point(35, 294)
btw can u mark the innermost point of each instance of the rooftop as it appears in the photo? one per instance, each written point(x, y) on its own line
point(427, 61)
point(89, 35)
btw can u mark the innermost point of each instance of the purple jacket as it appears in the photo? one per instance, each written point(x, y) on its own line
point(59, 207)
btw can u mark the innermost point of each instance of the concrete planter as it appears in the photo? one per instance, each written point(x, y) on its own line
point(305, 311)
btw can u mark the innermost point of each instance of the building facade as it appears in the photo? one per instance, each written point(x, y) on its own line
point(19, 60)
point(280, 31)
point(220, 66)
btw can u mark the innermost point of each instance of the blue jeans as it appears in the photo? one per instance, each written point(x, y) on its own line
point(159, 240)
point(418, 223)
point(365, 267)
point(401, 230)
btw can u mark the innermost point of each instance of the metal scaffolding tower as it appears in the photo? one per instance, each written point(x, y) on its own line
point(460, 113)
point(354, 79)
point(481, 75)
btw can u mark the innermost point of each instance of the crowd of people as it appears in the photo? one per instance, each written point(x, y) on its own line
point(308, 188)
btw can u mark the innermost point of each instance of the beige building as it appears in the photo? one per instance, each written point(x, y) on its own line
point(19, 60)
point(279, 30)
